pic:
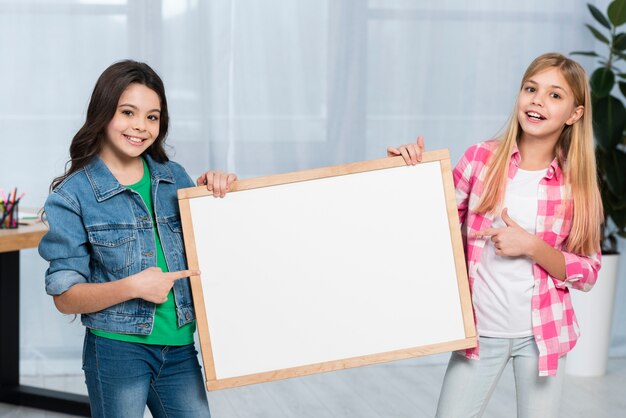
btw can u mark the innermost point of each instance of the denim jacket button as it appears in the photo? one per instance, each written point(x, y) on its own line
point(147, 253)
point(188, 316)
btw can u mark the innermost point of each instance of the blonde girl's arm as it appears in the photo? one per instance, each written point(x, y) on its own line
point(548, 258)
point(412, 153)
point(581, 271)
point(568, 270)
point(514, 241)
point(151, 284)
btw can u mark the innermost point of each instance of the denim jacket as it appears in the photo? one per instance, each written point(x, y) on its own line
point(101, 231)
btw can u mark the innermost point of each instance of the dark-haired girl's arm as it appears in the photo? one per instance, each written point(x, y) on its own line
point(151, 284)
point(68, 278)
point(217, 182)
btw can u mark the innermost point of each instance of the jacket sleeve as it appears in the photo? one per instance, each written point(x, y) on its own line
point(65, 246)
point(581, 272)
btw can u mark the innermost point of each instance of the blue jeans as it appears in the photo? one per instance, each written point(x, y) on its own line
point(468, 384)
point(122, 378)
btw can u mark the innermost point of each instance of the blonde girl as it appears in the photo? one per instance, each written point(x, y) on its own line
point(530, 212)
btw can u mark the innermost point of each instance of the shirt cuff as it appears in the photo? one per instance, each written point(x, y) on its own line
point(573, 271)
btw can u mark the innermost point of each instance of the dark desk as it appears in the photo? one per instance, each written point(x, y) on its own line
point(11, 242)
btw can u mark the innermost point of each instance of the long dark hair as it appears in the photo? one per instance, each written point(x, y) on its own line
point(106, 94)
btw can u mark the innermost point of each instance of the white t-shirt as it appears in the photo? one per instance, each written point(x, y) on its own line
point(503, 286)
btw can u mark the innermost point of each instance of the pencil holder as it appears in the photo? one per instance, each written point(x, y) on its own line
point(9, 215)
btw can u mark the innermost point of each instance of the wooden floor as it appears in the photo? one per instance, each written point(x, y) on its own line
point(401, 389)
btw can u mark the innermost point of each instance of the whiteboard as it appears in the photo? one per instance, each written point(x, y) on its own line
point(314, 271)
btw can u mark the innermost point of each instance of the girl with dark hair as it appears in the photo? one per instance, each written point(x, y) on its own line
point(116, 253)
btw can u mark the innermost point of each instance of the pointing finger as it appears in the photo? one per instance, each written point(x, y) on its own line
point(176, 275)
point(484, 233)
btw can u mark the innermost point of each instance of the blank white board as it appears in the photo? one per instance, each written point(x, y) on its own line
point(314, 271)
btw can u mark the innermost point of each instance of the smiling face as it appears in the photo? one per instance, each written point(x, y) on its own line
point(546, 104)
point(134, 126)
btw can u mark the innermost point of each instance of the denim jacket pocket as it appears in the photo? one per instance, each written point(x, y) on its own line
point(114, 248)
point(176, 227)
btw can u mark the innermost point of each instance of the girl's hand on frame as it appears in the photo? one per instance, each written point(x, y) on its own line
point(154, 285)
point(217, 182)
point(412, 153)
point(510, 241)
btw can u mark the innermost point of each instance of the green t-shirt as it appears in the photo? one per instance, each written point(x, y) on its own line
point(165, 329)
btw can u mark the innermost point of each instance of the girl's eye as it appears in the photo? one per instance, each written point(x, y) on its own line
point(127, 112)
point(153, 118)
point(530, 89)
point(555, 96)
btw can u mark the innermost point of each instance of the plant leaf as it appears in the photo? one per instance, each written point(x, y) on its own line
point(586, 53)
point(597, 14)
point(609, 118)
point(619, 41)
point(602, 81)
point(617, 12)
point(615, 179)
point(598, 35)
point(622, 87)
point(619, 218)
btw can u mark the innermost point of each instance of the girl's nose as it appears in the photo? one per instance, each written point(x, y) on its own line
point(139, 126)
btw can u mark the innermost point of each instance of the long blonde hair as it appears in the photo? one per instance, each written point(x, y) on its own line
point(574, 153)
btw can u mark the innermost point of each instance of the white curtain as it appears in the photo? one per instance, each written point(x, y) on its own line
point(262, 87)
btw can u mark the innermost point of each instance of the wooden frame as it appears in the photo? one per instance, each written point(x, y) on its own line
point(449, 314)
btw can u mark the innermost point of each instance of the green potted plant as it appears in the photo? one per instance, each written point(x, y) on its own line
point(595, 309)
point(609, 120)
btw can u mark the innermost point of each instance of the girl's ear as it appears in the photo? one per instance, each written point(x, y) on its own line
point(576, 114)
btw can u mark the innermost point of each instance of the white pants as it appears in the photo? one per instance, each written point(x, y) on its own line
point(468, 384)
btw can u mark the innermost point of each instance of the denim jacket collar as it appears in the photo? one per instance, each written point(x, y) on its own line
point(105, 185)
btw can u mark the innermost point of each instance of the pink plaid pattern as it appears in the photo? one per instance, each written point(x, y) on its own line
point(554, 324)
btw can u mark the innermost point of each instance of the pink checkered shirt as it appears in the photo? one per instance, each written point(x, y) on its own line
point(554, 324)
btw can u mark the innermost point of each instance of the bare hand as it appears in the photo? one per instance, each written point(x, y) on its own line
point(217, 182)
point(412, 153)
point(153, 285)
point(510, 241)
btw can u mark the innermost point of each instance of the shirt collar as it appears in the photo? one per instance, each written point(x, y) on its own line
point(105, 185)
point(554, 170)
